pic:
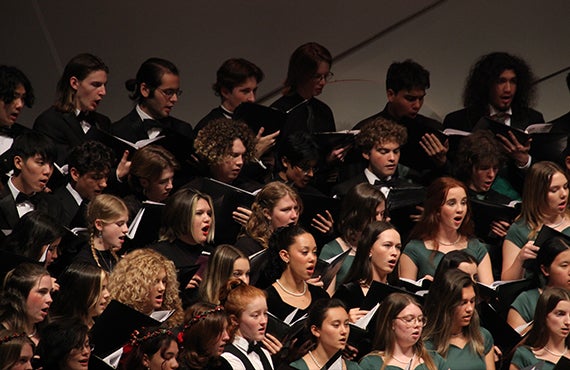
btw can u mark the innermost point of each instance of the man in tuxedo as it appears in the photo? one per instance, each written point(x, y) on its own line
point(379, 142)
point(33, 155)
point(15, 93)
point(89, 166)
point(73, 119)
point(156, 90)
point(562, 123)
point(406, 85)
point(500, 86)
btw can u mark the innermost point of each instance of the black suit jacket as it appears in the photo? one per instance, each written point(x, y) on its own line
point(46, 203)
point(561, 124)
point(214, 114)
point(130, 127)
point(6, 157)
point(65, 130)
point(465, 119)
point(68, 204)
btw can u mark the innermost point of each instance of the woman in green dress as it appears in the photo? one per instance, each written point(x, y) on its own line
point(328, 324)
point(548, 339)
point(453, 328)
point(398, 344)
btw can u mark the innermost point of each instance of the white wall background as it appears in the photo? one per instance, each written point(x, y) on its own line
point(39, 36)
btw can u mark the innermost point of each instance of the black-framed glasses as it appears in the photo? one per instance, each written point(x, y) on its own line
point(169, 93)
point(410, 320)
point(327, 77)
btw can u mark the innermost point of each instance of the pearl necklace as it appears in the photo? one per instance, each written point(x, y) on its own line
point(315, 360)
point(558, 224)
point(450, 243)
point(554, 353)
point(410, 360)
point(294, 294)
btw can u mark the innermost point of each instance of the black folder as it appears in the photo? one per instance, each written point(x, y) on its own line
point(328, 141)
point(378, 291)
point(314, 204)
point(547, 146)
point(146, 231)
point(505, 337)
point(328, 270)
point(401, 203)
point(498, 128)
point(503, 295)
point(282, 331)
point(113, 328)
point(257, 116)
point(485, 212)
point(412, 154)
point(546, 236)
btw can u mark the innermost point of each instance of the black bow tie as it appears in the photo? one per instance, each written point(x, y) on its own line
point(21, 198)
point(149, 124)
point(384, 184)
point(85, 116)
point(254, 347)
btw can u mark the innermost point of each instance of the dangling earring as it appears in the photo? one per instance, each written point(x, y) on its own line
point(100, 234)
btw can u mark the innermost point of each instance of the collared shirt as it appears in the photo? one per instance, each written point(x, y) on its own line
point(226, 112)
point(5, 143)
point(493, 111)
point(74, 194)
point(372, 178)
point(23, 207)
point(85, 126)
point(242, 345)
point(153, 132)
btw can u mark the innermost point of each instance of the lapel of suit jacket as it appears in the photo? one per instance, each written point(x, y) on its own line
point(9, 214)
point(75, 127)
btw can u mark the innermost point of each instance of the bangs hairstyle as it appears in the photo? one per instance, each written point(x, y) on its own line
point(91, 156)
point(179, 213)
point(539, 334)
point(234, 72)
point(303, 65)
point(428, 225)
point(10, 79)
point(361, 268)
point(80, 66)
point(204, 323)
point(535, 194)
point(385, 338)
point(80, 289)
point(358, 209)
point(150, 73)
point(444, 297)
point(219, 271)
point(148, 163)
point(235, 298)
point(258, 226)
point(105, 207)
point(18, 284)
point(30, 144)
point(481, 148)
point(59, 338)
point(131, 280)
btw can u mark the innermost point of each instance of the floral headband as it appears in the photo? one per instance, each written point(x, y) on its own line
point(11, 337)
point(202, 315)
point(137, 337)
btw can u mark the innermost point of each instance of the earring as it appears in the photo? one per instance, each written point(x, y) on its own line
point(100, 234)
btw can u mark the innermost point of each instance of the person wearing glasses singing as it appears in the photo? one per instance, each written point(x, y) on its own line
point(155, 90)
point(397, 343)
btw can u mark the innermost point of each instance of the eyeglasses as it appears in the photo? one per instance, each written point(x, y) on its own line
point(306, 170)
point(169, 93)
point(327, 77)
point(410, 320)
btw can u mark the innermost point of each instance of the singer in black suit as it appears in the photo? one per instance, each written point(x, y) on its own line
point(72, 120)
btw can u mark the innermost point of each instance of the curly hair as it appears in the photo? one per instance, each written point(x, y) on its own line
point(10, 78)
point(380, 130)
point(91, 156)
point(234, 72)
point(214, 142)
point(131, 280)
point(258, 226)
point(478, 149)
point(205, 324)
point(485, 73)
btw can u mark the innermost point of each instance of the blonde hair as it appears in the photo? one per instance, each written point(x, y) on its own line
point(105, 207)
point(132, 277)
